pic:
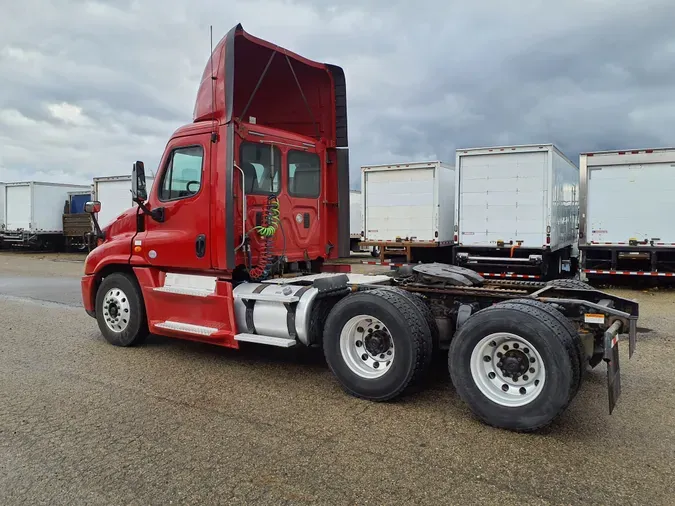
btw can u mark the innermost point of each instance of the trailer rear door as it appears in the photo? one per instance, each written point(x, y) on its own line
point(631, 202)
point(400, 203)
point(18, 207)
point(502, 196)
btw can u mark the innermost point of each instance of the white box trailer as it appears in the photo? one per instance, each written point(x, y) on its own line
point(408, 208)
point(516, 210)
point(33, 213)
point(626, 212)
point(114, 194)
point(355, 221)
point(2, 207)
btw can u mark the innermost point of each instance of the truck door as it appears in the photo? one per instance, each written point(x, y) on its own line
point(182, 240)
point(303, 200)
point(294, 176)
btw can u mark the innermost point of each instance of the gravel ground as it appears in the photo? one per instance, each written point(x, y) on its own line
point(172, 421)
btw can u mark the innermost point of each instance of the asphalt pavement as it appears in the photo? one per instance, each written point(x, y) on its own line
point(175, 422)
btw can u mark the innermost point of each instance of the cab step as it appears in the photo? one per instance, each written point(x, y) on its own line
point(268, 340)
point(184, 290)
point(187, 328)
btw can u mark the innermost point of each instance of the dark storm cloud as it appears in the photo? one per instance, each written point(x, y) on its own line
point(89, 86)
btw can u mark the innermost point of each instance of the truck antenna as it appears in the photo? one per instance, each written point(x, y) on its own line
point(214, 134)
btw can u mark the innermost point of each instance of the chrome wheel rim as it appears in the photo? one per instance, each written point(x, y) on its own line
point(367, 346)
point(507, 369)
point(116, 310)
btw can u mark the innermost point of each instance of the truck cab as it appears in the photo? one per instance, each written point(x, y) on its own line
point(252, 186)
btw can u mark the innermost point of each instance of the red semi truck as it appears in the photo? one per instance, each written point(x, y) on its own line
point(253, 196)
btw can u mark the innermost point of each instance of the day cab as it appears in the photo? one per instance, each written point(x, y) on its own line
point(267, 125)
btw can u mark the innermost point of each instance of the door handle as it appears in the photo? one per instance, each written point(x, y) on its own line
point(200, 245)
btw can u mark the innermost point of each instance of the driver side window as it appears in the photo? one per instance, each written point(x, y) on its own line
point(183, 175)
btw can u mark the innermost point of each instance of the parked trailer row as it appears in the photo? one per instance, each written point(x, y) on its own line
point(36, 214)
point(505, 209)
point(528, 212)
point(33, 213)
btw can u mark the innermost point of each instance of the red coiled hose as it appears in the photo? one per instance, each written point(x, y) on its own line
point(266, 230)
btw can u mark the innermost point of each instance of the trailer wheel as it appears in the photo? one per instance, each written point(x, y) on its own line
point(515, 365)
point(120, 310)
point(375, 342)
point(570, 283)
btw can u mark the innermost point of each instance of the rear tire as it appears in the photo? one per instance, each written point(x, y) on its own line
point(570, 283)
point(120, 310)
point(581, 361)
point(379, 326)
point(541, 352)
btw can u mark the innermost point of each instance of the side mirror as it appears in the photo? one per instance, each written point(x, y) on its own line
point(138, 188)
point(92, 207)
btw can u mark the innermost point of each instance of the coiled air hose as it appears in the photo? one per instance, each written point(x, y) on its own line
point(267, 229)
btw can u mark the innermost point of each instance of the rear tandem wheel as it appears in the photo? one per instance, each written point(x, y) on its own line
point(515, 365)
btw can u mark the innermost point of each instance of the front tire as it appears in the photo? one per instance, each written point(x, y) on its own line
point(515, 366)
point(120, 310)
point(377, 343)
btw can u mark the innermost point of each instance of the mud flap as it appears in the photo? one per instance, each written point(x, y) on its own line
point(613, 377)
point(613, 367)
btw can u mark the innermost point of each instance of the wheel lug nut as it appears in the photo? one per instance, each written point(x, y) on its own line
point(359, 344)
point(491, 375)
point(486, 358)
point(506, 347)
point(359, 329)
point(389, 352)
point(516, 346)
point(515, 377)
point(376, 365)
point(526, 350)
point(531, 360)
point(532, 370)
point(500, 355)
point(499, 364)
point(382, 355)
point(522, 391)
point(526, 377)
point(364, 356)
point(377, 327)
point(505, 387)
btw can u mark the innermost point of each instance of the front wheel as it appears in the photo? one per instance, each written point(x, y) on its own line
point(515, 366)
point(377, 343)
point(120, 310)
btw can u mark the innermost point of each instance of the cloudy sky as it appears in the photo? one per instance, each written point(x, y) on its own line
point(88, 87)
